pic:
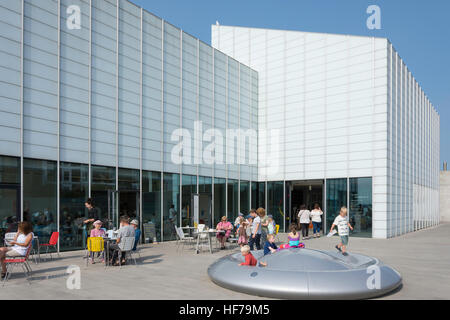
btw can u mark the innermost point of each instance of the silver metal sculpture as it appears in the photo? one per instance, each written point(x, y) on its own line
point(306, 274)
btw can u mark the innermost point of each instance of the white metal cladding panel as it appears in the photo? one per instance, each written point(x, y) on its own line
point(103, 95)
point(220, 109)
point(332, 99)
point(74, 86)
point(232, 118)
point(172, 92)
point(189, 97)
point(413, 146)
point(10, 77)
point(152, 85)
point(40, 79)
point(129, 84)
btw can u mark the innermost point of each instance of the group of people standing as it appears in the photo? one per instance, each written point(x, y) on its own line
point(306, 217)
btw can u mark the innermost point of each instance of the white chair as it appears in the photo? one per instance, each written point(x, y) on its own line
point(203, 236)
point(126, 245)
point(182, 238)
point(9, 237)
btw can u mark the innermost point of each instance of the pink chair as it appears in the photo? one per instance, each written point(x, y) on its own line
point(23, 261)
point(53, 242)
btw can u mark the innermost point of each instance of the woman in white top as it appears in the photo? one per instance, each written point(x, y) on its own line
point(316, 217)
point(304, 216)
point(20, 244)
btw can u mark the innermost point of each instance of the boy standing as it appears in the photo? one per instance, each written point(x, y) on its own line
point(341, 221)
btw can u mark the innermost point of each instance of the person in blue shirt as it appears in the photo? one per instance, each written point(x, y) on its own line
point(270, 246)
point(137, 233)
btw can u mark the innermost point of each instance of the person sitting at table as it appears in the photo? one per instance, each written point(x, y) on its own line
point(97, 232)
point(125, 230)
point(137, 233)
point(223, 228)
point(20, 244)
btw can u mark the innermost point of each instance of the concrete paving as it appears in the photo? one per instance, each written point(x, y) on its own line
point(422, 258)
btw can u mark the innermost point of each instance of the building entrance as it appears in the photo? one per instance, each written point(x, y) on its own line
point(306, 192)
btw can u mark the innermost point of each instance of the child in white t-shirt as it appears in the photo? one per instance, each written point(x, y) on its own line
point(341, 221)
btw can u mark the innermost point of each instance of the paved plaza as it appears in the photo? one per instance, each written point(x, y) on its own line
point(422, 258)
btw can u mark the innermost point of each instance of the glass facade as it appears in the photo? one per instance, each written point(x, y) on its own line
point(220, 199)
point(188, 188)
point(244, 200)
point(39, 193)
point(233, 194)
point(258, 195)
point(128, 195)
point(151, 205)
point(275, 202)
point(361, 206)
point(74, 190)
point(103, 179)
point(171, 205)
point(9, 194)
point(336, 198)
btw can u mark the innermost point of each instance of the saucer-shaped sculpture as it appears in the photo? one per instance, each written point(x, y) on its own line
point(306, 274)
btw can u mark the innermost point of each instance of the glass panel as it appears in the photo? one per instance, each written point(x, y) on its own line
point(275, 201)
point(171, 205)
point(9, 194)
point(233, 190)
point(245, 197)
point(258, 195)
point(74, 190)
point(336, 198)
point(188, 188)
point(103, 179)
point(39, 192)
point(9, 170)
point(361, 206)
point(205, 200)
point(128, 179)
point(151, 204)
point(219, 199)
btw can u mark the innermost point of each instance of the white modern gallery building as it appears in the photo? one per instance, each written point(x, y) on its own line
point(89, 107)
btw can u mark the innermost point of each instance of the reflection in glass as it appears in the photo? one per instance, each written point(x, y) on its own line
point(171, 205)
point(336, 198)
point(74, 190)
point(39, 192)
point(233, 193)
point(205, 200)
point(151, 204)
point(219, 199)
point(188, 188)
point(128, 179)
point(361, 206)
point(103, 179)
point(9, 194)
point(258, 195)
point(129, 199)
point(245, 197)
point(275, 201)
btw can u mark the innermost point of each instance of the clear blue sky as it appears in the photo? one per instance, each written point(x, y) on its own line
point(419, 30)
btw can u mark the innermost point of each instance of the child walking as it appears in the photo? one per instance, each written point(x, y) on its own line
point(242, 232)
point(341, 221)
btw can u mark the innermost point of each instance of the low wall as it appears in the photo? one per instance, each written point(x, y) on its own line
point(445, 196)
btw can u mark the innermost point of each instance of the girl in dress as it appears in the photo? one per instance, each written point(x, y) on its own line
point(242, 232)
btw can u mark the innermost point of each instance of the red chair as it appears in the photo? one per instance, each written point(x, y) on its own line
point(53, 242)
point(23, 261)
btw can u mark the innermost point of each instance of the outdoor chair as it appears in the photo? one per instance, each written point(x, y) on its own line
point(11, 263)
point(126, 245)
point(182, 238)
point(203, 237)
point(277, 228)
point(94, 245)
point(53, 242)
point(9, 237)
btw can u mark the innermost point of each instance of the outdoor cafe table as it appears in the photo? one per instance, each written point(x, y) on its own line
point(210, 233)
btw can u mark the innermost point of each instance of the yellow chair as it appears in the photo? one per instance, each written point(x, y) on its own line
point(94, 244)
point(277, 228)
